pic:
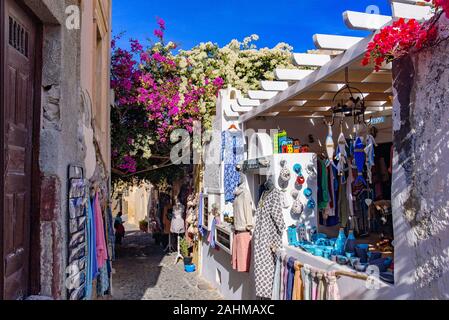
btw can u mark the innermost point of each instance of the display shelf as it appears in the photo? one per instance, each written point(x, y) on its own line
point(224, 236)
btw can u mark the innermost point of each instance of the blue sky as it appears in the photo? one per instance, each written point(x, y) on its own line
point(193, 21)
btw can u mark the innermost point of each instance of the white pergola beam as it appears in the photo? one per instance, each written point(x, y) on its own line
point(311, 60)
point(291, 74)
point(238, 108)
point(333, 42)
point(410, 11)
point(245, 102)
point(274, 85)
point(261, 95)
point(365, 21)
point(352, 55)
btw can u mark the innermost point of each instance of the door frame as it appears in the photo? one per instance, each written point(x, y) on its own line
point(2, 134)
point(34, 245)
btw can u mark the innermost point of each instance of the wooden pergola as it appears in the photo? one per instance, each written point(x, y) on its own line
point(308, 91)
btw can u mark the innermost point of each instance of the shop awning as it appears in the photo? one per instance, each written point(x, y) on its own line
point(309, 90)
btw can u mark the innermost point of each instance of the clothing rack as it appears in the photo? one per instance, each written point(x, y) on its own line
point(338, 273)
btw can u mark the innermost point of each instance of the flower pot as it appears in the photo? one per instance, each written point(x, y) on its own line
point(188, 261)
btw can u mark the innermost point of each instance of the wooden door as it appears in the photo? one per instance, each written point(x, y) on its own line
point(18, 72)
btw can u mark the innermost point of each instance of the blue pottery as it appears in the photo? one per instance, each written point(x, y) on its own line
point(361, 251)
point(361, 267)
point(349, 254)
point(318, 252)
point(340, 243)
point(327, 253)
point(350, 242)
point(342, 260)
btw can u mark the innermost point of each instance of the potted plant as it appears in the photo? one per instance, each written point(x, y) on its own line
point(143, 226)
point(184, 248)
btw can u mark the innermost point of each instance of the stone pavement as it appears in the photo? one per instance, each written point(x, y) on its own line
point(142, 271)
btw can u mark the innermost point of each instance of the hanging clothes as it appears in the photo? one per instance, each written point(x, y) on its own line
point(211, 238)
point(103, 281)
point(307, 277)
point(284, 277)
point(101, 247)
point(177, 224)
point(290, 278)
point(243, 209)
point(321, 290)
point(241, 252)
point(323, 185)
point(232, 153)
point(298, 288)
point(343, 206)
point(202, 230)
point(92, 269)
point(332, 209)
point(277, 278)
point(281, 278)
point(332, 292)
point(270, 227)
point(111, 234)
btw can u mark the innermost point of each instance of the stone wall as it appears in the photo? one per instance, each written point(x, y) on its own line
point(421, 173)
point(66, 116)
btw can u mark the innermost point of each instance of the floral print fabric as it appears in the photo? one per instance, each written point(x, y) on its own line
point(232, 149)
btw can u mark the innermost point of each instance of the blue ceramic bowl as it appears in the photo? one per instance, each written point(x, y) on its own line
point(342, 260)
point(361, 267)
point(349, 255)
point(318, 252)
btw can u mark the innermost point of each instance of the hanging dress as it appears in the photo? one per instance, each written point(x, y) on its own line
point(231, 154)
point(268, 233)
point(177, 224)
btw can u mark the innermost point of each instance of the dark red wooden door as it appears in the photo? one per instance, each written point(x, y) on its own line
point(19, 54)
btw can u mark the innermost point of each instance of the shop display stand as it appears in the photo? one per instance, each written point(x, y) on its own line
point(169, 247)
point(178, 255)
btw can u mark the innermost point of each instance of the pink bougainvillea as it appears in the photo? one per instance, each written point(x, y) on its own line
point(152, 99)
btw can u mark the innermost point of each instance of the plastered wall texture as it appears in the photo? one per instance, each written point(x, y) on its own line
point(421, 172)
point(65, 116)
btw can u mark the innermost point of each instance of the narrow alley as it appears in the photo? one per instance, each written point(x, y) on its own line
point(143, 271)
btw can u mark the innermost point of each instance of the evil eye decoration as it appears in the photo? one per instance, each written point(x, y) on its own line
point(311, 204)
point(308, 192)
point(297, 168)
point(300, 180)
point(285, 173)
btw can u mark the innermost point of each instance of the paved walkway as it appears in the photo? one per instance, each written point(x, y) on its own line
point(142, 271)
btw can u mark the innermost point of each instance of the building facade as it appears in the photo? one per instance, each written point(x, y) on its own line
point(55, 102)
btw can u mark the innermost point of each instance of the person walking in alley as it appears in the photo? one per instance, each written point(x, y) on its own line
point(119, 228)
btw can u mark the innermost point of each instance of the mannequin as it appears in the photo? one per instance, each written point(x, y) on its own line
point(177, 224)
point(243, 225)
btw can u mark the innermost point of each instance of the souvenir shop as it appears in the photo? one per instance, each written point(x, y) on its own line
point(91, 241)
point(299, 207)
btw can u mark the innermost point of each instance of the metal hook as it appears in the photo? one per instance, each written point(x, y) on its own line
point(331, 123)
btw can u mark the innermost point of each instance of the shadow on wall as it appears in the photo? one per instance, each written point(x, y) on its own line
point(421, 174)
point(236, 281)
